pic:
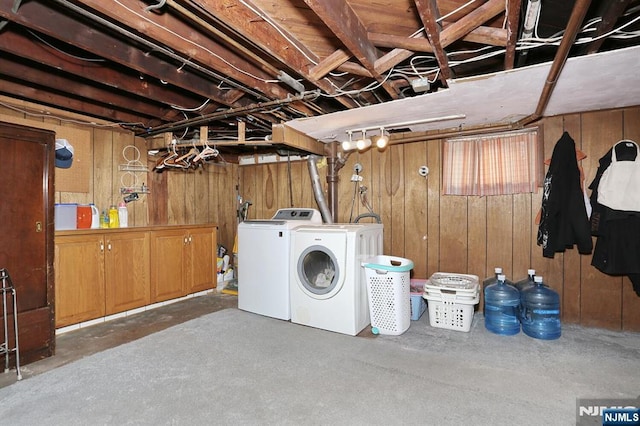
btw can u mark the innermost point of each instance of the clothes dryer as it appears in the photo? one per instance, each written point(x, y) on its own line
point(263, 261)
point(328, 285)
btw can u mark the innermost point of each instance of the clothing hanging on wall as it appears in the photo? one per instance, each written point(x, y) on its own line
point(619, 183)
point(617, 249)
point(564, 221)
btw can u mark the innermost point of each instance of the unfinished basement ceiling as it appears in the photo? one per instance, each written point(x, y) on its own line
point(176, 65)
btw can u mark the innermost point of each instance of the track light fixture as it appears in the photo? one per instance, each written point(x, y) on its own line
point(363, 143)
point(349, 144)
point(382, 140)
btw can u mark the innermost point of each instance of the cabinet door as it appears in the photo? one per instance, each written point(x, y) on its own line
point(167, 264)
point(201, 259)
point(79, 277)
point(126, 271)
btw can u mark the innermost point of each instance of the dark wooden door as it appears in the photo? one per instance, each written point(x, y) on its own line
point(26, 233)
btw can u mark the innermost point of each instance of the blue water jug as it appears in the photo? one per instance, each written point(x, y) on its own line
point(492, 280)
point(523, 284)
point(541, 311)
point(501, 304)
point(527, 281)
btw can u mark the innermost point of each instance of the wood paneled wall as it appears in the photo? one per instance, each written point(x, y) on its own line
point(439, 233)
point(469, 234)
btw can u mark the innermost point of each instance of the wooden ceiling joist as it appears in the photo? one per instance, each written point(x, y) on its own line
point(429, 14)
point(338, 16)
point(41, 18)
point(253, 29)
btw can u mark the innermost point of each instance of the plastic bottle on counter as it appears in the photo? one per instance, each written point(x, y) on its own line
point(502, 304)
point(114, 221)
point(104, 219)
point(95, 217)
point(123, 215)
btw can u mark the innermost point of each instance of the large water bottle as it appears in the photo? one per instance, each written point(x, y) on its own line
point(492, 280)
point(524, 284)
point(541, 311)
point(488, 281)
point(501, 304)
point(527, 281)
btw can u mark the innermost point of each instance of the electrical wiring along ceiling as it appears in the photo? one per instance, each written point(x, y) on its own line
point(175, 65)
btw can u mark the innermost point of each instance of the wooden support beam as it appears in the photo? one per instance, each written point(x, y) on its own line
point(513, 22)
point(429, 14)
point(283, 134)
point(340, 18)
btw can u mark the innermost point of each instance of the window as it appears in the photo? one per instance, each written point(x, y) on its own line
point(499, 164)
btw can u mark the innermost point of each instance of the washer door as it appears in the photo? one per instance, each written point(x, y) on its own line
point(319, 274)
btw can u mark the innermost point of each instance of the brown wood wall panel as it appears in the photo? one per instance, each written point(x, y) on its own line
point(433, 207)
point(499, 233)
point(522, 244)
point(601, 294)
point(415, 207)
point(395, 190)
point(477, 237)
point(453, 234)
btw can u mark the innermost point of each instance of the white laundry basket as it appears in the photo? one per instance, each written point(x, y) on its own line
point(452, 299)
point(388, 284)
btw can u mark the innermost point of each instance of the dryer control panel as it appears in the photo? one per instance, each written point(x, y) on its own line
point(309, 215)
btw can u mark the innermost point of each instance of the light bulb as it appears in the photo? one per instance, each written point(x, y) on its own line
point(382, 141)
point(363, 144)
point(348, 145)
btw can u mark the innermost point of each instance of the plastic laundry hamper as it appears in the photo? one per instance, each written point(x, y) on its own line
point(451, 299)
point(388, 284)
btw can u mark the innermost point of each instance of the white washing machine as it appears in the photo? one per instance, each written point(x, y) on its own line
point(263, 261)
point(328, 283)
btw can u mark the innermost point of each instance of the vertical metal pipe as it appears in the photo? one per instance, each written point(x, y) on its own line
point(332, 180)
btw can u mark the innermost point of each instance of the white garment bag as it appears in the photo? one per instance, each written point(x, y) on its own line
point(619, 186)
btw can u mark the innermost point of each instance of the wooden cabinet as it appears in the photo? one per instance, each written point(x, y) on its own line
point(201, 259)
point(126, 271)
point(104, 272)
point(183, 261)
point(167, 264)
point(79, 272)
point(26, 230)
point(100, 273)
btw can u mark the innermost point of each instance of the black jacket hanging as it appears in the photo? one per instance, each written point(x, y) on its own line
point(564, 221)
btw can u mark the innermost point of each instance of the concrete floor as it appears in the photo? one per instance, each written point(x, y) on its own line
point(73, 345)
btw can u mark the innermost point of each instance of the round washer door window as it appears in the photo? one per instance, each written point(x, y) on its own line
point(318, 271)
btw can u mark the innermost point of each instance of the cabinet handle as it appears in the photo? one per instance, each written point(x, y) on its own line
point(101, 247)
point(189, 239)
point(109, 245)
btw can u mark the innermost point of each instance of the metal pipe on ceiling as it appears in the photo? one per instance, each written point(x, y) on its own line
point(228, 113)
point(573, 28)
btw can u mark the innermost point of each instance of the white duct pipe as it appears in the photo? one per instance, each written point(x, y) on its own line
point(317, 189)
